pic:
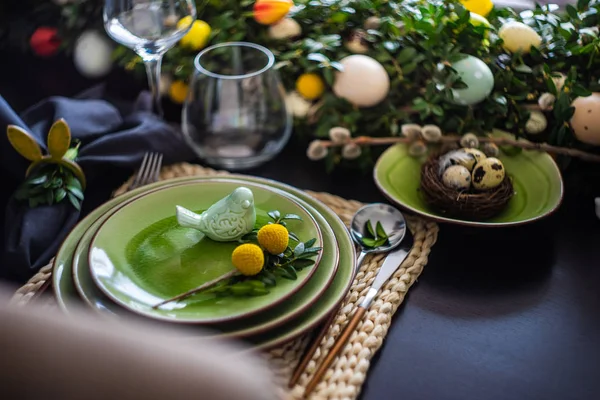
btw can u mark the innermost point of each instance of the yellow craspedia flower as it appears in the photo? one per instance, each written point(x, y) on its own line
point(248, 258)
point(481, 7)
point(178, 91)
point(310, 86)
point(274, 238)
point(197, 36)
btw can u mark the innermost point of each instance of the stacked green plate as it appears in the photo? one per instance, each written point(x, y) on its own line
point(265, 321)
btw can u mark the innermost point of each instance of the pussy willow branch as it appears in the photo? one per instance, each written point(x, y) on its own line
point(373, 141)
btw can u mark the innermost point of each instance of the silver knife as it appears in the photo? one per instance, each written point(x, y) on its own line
point(391, 264)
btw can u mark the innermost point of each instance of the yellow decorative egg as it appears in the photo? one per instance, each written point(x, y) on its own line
point(481, 7)
point(310, 86)
point(586, 120)
point(477, 154)
point(198, 35)
point(457, 177)
point(519, 37)
point(248, 258)
point(488, 174)
point(274, 238)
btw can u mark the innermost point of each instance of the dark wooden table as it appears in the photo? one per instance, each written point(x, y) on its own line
point(497, 314)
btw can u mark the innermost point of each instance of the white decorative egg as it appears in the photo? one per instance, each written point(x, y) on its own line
point(586, 120)
point(363, 82)
point(519, 37)
point(488, 174)
point(92, 54)
point(479, 80)
point(457, 177)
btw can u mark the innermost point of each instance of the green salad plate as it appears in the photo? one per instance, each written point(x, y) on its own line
point(69, 301)
point(259, 323)
point(140, 256)
point(535, 176)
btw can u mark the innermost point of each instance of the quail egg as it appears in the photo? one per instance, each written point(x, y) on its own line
point(468, 158)
point(488, 174)
point(457, 177)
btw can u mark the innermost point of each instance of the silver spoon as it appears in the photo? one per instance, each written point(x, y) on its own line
point(394, 225)
point(391, 219)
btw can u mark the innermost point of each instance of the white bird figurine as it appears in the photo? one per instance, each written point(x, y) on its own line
point(227, 220)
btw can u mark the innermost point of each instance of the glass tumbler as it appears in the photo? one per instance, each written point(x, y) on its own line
point(235, 116)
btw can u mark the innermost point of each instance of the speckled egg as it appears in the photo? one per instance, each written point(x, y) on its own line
point(488, 174)
point(586, 120)
point(519, 37)
point(457, 177)
point(478, 154)
point(477, 76)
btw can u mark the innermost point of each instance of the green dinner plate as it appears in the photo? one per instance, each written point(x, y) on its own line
point(141, 256)
point(262, 322)
point(68, 300)
point(535, 176)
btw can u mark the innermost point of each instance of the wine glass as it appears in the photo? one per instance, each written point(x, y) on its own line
point(150, 28)
point(235, 115)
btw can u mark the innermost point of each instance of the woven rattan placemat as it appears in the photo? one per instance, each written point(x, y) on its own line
point(346, 376)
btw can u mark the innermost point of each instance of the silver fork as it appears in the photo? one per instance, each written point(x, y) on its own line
point(148, 172)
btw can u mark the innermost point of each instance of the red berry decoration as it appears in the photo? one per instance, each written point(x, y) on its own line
point(45, 42)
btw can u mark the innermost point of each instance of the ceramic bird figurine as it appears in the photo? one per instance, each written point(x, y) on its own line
point(227, 220)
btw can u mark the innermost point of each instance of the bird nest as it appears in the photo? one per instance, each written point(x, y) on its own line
point(469, 204)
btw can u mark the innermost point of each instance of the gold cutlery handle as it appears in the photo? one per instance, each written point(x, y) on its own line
point(316, 341)
point(336, 349)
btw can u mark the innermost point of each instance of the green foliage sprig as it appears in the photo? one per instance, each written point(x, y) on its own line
point(416, 41)
point(51, 184)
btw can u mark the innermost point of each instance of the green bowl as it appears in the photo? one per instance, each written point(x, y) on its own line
point(535, 176)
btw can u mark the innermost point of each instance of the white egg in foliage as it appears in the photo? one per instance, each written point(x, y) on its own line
point(488, 174)
point(363, 82)
point(519, 37)
point(92, 54)
point(586, 120)
point(457, 177)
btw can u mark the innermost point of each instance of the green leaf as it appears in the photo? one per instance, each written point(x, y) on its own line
point(59, 194)
point(380, 231)
point(37, 180)
point(303, 263)
point(275, 215)
point(291, 272)
point(293, 236)
point(525, 69)
point(292, 216)
point(369, 229)
point(299, 249)
point(75, 192)
point(317, 57)
point(74, 201)
point(268, 280)
point(74, 182)
point(572, 11)
point(369, 242)
point(260, 291)
point(309, 243)
point(406, 54)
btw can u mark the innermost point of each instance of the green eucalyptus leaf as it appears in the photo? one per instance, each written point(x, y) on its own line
point(299, 249)
point(292, 216)
point(309, 243)
point(369, 242)
point(37, 180)
point(293, 236)
point(75, 192)
point(275, 215)
point(369, 229)
point(303, 263)
point(380, 231)
point(74, 201)
point(59, 194)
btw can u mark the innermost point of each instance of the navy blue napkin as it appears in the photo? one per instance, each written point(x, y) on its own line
point(114, 137)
